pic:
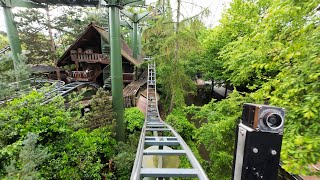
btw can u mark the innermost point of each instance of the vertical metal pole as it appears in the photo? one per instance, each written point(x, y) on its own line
point(139, 40)
point(12, 34)
point(135, 39)
point(116, 70)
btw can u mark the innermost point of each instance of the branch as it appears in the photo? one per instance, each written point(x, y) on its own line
point(62, 30)
point(192, 3)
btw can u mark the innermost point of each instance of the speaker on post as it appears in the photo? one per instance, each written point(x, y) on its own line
point(258, 143)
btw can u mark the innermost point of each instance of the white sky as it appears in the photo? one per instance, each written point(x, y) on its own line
point(216, 8)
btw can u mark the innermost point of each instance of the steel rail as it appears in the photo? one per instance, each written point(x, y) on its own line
point(60, 88)
point(5, 49)
point(154, 124)
point(64, 90)
point(22, 87)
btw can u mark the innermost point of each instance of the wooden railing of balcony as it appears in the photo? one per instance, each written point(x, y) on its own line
point(90, 58)
point(81, 75)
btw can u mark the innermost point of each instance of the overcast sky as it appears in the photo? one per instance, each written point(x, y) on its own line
point(216, 7)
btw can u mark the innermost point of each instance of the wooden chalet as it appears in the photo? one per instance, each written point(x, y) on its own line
point(87, 59)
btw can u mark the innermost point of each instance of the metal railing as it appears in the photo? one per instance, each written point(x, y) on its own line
point(160, 139)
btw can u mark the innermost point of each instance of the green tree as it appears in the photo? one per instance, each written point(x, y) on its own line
point(39, 31)
point(8, 75)
point(170, 44)
point(74, 153)
point(30, 158)
point(101, 113)
point(272, 50)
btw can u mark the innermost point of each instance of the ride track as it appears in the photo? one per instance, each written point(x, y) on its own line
point(160, 139)
point(5, 49)
point(60, 89)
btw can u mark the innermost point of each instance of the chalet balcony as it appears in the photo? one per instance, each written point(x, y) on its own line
point(81, 75)
point(128, 77)
point(90, 58)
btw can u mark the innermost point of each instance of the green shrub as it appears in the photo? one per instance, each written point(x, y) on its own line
point(134, 119)
point(80, 154)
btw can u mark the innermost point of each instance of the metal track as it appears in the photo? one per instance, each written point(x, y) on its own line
point(60, 89)
point(64, 90)
point(5, 49)
point(156, 126)
point(24, 87)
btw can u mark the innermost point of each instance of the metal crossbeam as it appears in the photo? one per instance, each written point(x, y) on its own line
point(164, 152)
point(161, 138)
point(168, 172)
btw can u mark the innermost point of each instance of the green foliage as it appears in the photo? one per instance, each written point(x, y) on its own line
point(134, 119)
point(173, 49)
point(80, 154)
point(271, 47)
point(101, 113)
point(30, 157)
point(3, 41)
point(239, 20)
point(34, 25)
point(124, 160)
point(9, 74)
point(218, 134)
point(178, 119)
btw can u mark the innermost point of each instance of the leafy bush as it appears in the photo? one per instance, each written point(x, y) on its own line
point(30, 158)
point(124, 160)
point(101, 113)
point(134, 119)
point(272, 49)
point(178, 120)
point(80, 154)
point(218, 134)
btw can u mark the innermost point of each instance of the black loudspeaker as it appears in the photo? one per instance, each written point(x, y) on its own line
point(258, 143)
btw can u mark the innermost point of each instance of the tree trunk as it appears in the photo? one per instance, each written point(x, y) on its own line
point(52, 43)
point(177, 31)
point(212, 86)
point(226, 90)
point(176, 58)
point(171, 103)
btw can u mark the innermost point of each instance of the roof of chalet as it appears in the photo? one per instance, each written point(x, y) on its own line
point(126, 51)
point(42, 68)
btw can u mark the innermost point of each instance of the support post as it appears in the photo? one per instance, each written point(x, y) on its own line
point(258, 143)
point(135, 43)
point(12, 34)
point(139, 40)
point(116, 70)
point(136, 38)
